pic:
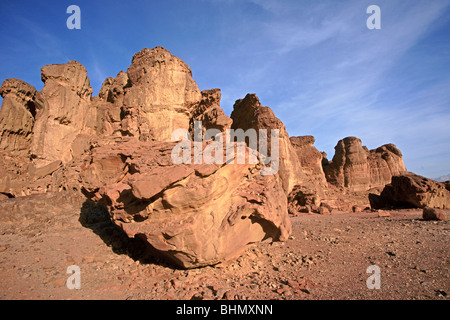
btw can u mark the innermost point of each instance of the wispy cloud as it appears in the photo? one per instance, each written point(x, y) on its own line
point(313, 62)
point(338, 73)
point(43, 42)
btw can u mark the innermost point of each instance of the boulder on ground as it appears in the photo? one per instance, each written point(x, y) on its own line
point(193, 214)
point(434, 214)
point(413, 191)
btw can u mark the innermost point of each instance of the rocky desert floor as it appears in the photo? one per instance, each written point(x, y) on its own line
point(326, 257)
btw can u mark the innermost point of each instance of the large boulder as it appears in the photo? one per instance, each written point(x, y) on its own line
point(355, 168)
point(193, 214)
point(248, 113)
point(412, 190)
point(434, 214)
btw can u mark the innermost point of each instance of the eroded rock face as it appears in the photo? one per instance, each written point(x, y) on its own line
point(20, 177)
point(356, 168)
point(412, 190)
point(156, 96)
point(195, 215)
point(17, 115)
point(248, 113)
point(160, 95)
point(310, 159)
point(209, 113)
point(65, 113)
point(384, 163)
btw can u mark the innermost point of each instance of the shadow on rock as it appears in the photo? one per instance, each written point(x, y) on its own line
point(96, 217)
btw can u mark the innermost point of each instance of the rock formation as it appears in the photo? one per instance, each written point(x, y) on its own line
point(160, 95)
point(355, 168)
point(17, 115)
point(195, 215)
point(116, 147)
point(209, 113)
point(64, 114)
point(412, 190)
point(248, 113)
point(310, 159)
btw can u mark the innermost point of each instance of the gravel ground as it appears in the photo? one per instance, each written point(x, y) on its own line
point(327, 257)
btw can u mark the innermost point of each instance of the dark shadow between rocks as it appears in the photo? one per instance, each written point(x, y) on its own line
point(96, 217)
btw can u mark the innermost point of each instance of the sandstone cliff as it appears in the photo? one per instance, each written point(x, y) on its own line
point(248, 113)
point(355, 168)
point(116, 149)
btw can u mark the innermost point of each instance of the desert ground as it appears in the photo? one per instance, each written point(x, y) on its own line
point(326, 257)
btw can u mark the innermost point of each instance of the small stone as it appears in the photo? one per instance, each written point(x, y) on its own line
point(59, 283)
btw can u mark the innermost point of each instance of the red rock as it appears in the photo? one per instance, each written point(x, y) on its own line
point(356, 168)
point(159, 96)
point(434, 214)
point(411, 190)
point(210, 114)
point(248, 113)
point(17, 115)
point(64, 114)
point(193, 220)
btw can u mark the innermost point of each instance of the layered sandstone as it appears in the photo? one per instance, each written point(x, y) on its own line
point(160, 95)
point(195, 215)
point(209, 113)
point(355, 168)
point(17, 115)
point(248, 113)
point(412, 190)
point(65, 113)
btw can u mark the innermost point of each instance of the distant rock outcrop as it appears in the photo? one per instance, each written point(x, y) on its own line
point(248, 113)
point(412, 190)
point(443, 178)
point(356, 168)
point(310, 159)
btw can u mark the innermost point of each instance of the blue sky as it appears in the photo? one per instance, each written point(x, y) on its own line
point(315, 63)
